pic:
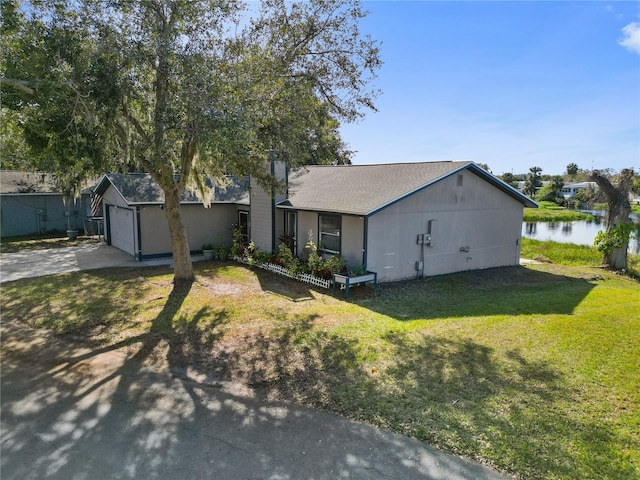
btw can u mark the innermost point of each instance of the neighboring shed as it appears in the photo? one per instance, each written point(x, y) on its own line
point(31, 204)
point(406, 220)
point(135, 221)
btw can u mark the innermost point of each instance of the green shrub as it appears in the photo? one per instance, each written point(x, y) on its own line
point(314, 260)
point(254, 255)
point(357, 270)
point(618, 236)
point(288, 260)
point(239, 242)
point(546, 194)
point(335, 264)
point(320, 267)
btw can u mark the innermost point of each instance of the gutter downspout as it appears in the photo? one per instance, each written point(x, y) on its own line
point(273, 208)
point(365, 242)
point(107, 223)
point(139, 234)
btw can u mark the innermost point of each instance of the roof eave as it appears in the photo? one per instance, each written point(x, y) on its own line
point(106, 181)
point(102, 185)
point(284, 206)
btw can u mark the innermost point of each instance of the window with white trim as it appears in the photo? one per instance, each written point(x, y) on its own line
point(329, 227)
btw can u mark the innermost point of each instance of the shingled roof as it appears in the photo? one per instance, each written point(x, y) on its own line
point(366, 189)
point(142, 189)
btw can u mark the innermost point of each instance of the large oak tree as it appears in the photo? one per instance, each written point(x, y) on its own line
point(185, 89)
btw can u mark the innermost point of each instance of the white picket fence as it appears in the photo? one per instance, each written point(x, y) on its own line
point(317, 281)
point(280, 270)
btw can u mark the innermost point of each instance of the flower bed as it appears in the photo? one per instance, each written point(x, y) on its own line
point(280, 270)
point(348, 280)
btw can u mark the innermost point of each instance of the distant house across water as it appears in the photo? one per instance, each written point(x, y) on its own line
point(570, 189)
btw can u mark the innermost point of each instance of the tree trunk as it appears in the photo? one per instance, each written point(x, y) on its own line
point(182, 266)
point(619, 211)
point(617, 258)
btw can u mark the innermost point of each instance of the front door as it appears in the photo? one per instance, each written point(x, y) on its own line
point(243, 224)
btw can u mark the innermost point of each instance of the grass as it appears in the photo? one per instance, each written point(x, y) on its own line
point(570, 254)
point(531, 370)
point(560, 253)
point(40, 242)
point(551, 212)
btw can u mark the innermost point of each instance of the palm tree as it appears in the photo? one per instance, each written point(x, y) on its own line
point(533, 182)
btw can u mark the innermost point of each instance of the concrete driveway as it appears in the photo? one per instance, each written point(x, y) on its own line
point(70, 412)
point(37, 263)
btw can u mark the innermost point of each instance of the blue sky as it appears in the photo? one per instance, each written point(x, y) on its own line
point(510, 84)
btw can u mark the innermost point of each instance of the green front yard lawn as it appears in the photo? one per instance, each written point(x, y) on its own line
point(531, 370)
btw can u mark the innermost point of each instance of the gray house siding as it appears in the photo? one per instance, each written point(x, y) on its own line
point(473, 226)
point(266, 223)
point(352, 239)
point(154, 230)
point(307, 222)
point(204, 225)
point(31, 204)
point(112, 197)
point(261, 219)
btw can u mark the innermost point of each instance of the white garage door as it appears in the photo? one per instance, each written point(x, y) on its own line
point(122, 231)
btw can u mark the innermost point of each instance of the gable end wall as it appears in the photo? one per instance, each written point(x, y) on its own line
point(473, 226)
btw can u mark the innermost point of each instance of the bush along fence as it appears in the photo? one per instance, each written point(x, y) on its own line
point(312, 269)
point(280, 270)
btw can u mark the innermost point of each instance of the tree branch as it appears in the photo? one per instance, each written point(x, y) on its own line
point(605, 185)
point(134, 121)
point(19, 85)
point(186, 156)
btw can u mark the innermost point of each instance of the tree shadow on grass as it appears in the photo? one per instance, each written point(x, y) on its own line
point(513, 412)
point(78, 408)
point(507, 406)
point(79, 303)
point(458, 395)
point(276, 284)
point(73, 413)
point(498, 291)
point(293, 362)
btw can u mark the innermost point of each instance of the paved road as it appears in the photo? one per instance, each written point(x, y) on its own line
point(69, 413)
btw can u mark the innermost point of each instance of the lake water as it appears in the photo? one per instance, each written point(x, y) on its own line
point(581, 232)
